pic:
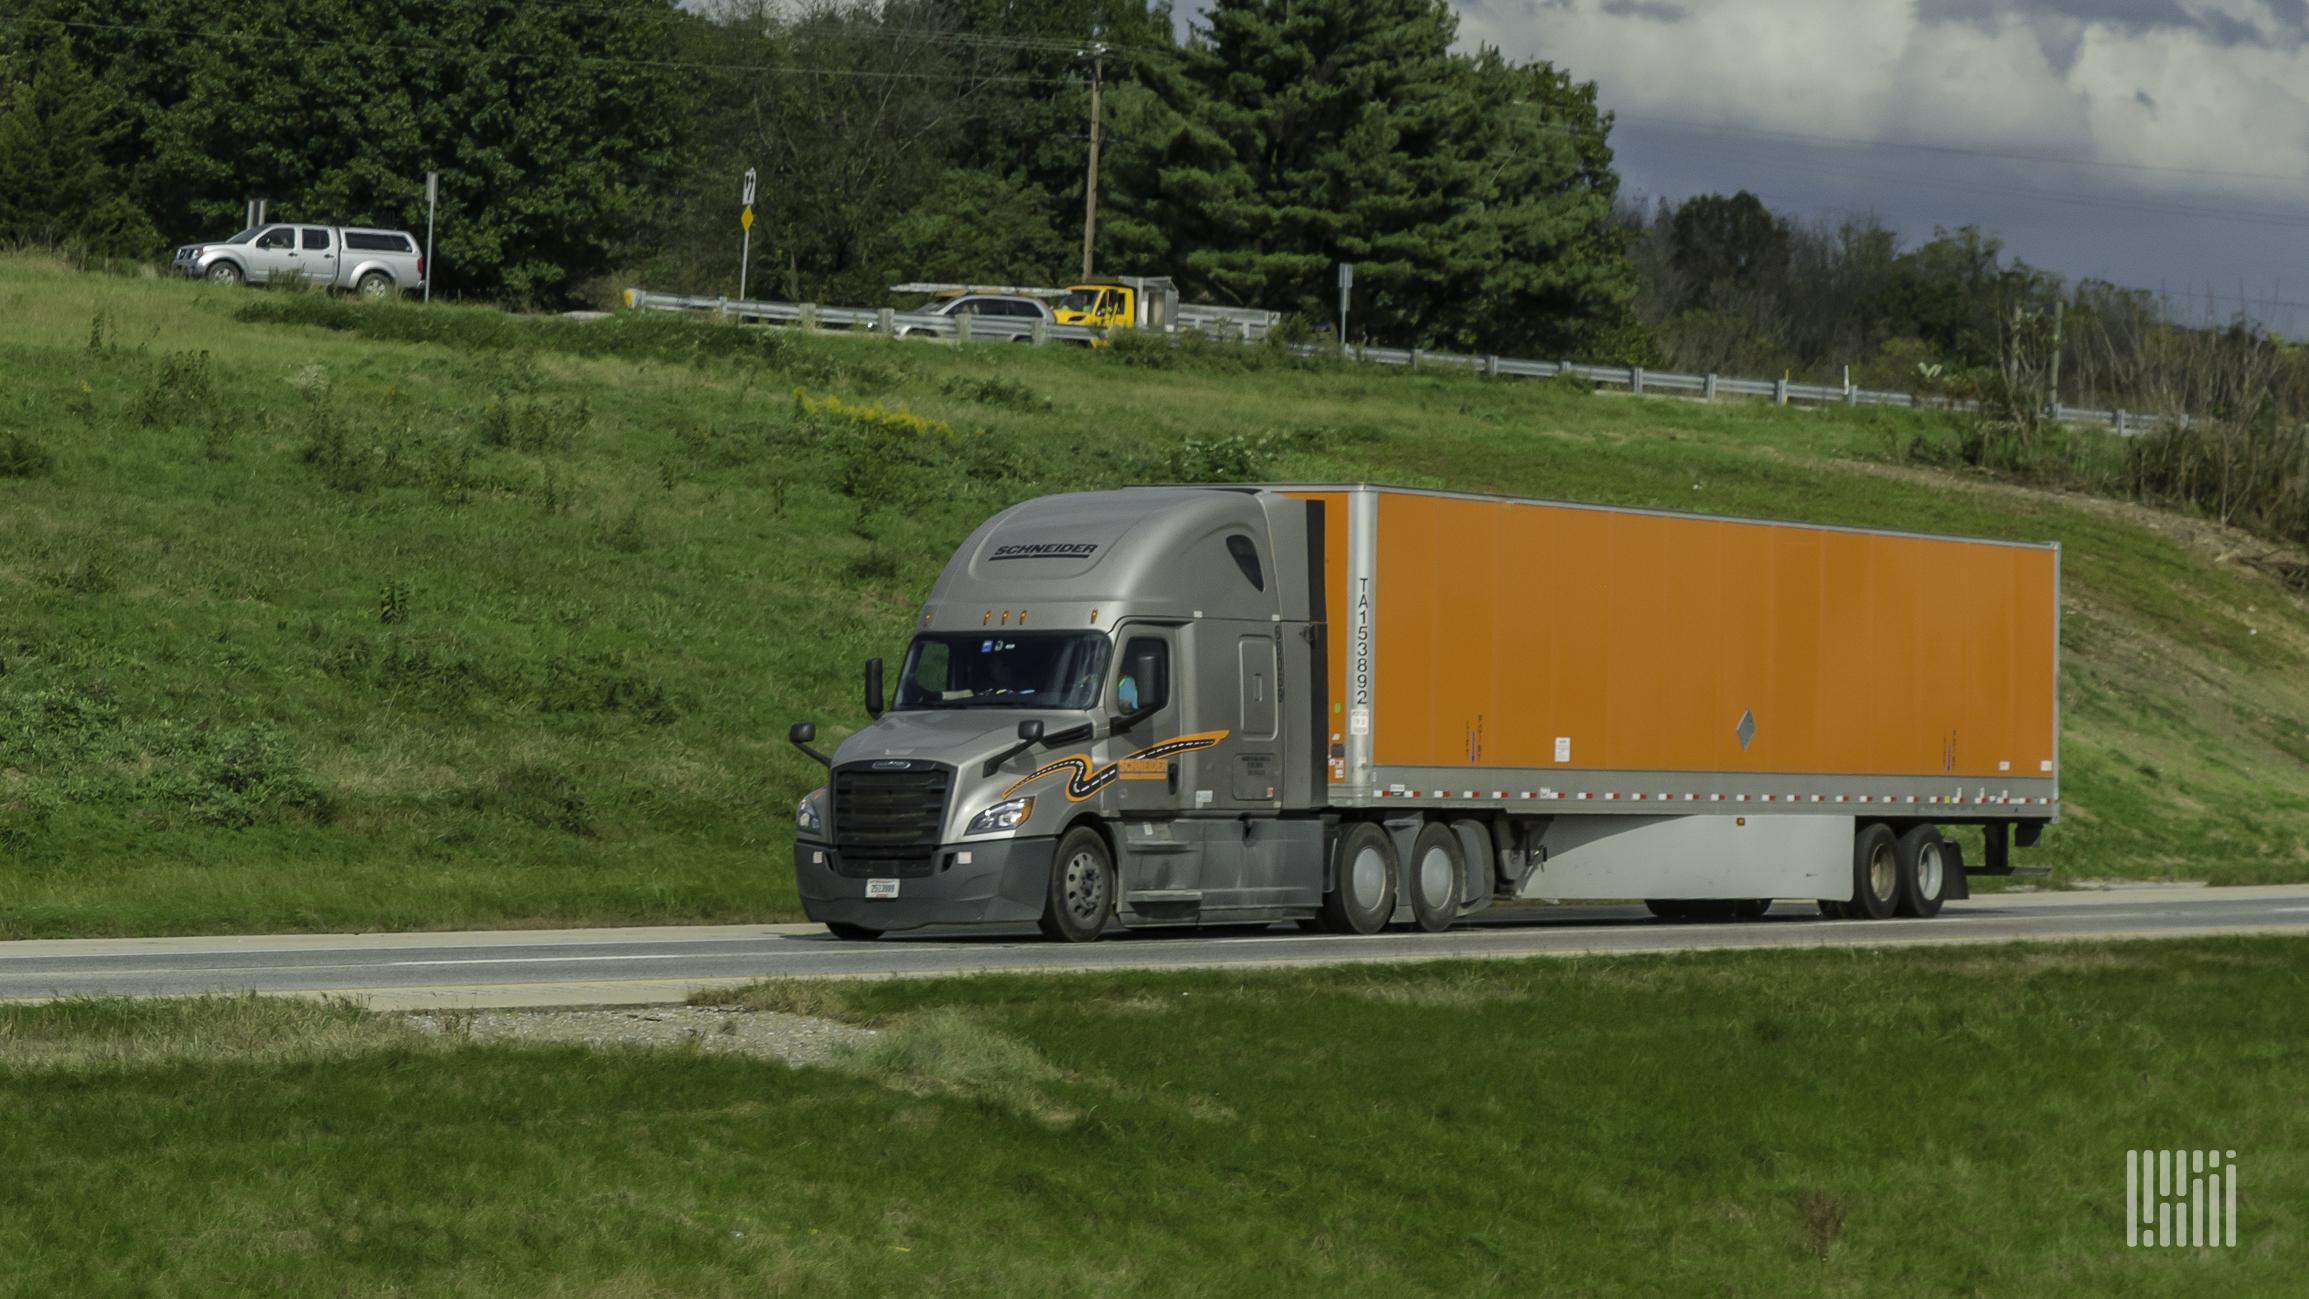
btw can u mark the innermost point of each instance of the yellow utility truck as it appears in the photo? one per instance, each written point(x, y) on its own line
point(1152, 302)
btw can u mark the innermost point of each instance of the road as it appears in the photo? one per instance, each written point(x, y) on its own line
point(642, 966)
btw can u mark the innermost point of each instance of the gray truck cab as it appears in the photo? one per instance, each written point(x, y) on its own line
point(1133, 674)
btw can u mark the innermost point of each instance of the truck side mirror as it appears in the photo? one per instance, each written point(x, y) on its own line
point(800, 737)
point(874, 688)
point(1029, 731)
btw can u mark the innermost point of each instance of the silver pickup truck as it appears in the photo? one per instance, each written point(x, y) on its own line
point(377, 264)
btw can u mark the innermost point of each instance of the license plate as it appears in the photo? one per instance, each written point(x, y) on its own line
point(881, 888)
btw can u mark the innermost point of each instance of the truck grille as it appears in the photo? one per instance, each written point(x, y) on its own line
point(886, 823)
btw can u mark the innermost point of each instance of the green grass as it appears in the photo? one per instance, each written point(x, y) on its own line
point(455, 620)
point(1823, 1123)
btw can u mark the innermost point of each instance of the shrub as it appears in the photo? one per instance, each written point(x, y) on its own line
point(21, 457)
point(637, 336)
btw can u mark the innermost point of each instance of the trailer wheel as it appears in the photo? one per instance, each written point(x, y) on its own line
point(1436, 867)
point(1875, 874)
point(853, 933)
point(1081, 896)
point(1923, 861)
point(1364, 896)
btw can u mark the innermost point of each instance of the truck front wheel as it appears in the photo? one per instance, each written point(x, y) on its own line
point(1363, 897)
point(225, 273)
point(1081, 897)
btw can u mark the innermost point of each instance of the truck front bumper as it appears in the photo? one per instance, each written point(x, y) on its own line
point(1004, 881)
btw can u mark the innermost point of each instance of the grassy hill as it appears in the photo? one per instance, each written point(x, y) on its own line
point(447, 619)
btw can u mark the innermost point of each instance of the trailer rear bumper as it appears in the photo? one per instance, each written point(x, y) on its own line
point(1004, 881)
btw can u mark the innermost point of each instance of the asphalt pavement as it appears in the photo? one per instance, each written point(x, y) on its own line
point(579, 967)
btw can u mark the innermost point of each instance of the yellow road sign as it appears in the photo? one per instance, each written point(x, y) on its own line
point(746, 218)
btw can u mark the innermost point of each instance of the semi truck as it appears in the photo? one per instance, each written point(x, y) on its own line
point(1357, 706)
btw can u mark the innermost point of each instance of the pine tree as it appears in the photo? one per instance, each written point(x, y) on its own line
point(55, 188)
point(1461, 186)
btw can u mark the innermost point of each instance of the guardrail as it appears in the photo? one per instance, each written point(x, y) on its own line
point(969, 328)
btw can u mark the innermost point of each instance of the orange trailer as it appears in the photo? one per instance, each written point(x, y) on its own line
point(1539, 657)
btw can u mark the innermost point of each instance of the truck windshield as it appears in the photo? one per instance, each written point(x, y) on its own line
point(1080, 300)
point(245, 235)
point(1017, 670)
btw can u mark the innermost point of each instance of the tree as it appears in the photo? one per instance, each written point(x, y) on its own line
point(55, 188)
point(1347, 130)
point(554, 127)
point(1723, 245)
point(984, 228)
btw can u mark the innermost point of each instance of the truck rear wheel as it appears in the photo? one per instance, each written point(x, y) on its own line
point(1923, 862)
point(1081, 897)
point(1875, 874)
point(1436, 867)
point(377, 286)
point(1364, 895)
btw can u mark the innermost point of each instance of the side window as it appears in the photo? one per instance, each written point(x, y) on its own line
point(278, 237)
point(930, 669)
point(316, 241)
point(1146, 675)
point(1247, 559)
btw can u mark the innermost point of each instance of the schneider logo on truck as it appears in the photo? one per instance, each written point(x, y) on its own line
point(1046, 550)
point(1363, 705)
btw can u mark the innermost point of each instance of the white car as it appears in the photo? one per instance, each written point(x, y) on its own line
point(993, 314)
point(377, 264)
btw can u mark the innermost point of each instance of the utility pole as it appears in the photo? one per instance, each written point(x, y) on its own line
point(2057, 306)
point(432, 209)
point(746, 244)
point(1346, 283)
point(1090, 191)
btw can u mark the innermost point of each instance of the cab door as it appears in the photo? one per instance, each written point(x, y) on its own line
point(1162, 854)
point(273, 253)
point(317, 251)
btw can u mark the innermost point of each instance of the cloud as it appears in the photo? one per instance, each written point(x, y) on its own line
point(2220, 85)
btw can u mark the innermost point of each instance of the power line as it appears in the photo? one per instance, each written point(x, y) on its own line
point(476, 55)
point(2211, 214)
point(1719, 128)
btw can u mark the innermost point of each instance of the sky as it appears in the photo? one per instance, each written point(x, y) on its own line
point(2160, 144)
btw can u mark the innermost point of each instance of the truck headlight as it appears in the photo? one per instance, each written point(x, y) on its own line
point(810, 817)
point(1001, 816)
